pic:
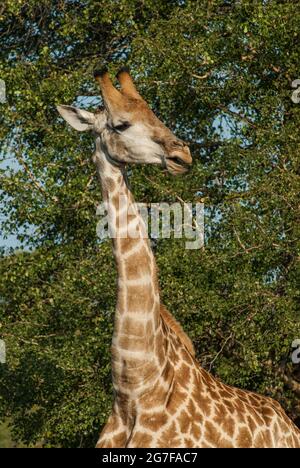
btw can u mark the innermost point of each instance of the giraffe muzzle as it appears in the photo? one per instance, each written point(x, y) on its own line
point(179, 162)
point(176, 165)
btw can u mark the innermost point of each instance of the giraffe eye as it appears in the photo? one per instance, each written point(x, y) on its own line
point(122, 127)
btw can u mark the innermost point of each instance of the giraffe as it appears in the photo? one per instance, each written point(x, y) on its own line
point(163, 397)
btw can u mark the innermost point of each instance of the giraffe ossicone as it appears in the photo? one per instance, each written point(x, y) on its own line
point(163, 397)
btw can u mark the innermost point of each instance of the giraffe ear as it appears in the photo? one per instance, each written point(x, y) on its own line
point(79, 119)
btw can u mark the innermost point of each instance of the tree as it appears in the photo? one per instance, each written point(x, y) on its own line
point(220, 74)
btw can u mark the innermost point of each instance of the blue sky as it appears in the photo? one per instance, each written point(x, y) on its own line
point(10, 240)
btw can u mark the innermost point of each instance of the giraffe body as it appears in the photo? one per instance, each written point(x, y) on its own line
point(163, 398)
point(188, 407)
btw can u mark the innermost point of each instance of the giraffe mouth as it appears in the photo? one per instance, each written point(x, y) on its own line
point(175, 165)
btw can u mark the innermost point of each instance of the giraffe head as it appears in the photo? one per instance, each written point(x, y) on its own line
point(127, 130)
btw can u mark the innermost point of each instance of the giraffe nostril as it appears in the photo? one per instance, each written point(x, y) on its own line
point(178, 143)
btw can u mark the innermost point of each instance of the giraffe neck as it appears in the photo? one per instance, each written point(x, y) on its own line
point(138, 338)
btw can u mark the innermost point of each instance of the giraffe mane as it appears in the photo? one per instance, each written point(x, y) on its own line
point(172, 323)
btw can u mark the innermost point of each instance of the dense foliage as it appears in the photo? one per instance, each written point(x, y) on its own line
point(220, 74)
